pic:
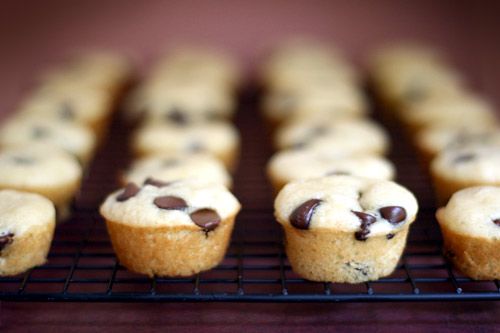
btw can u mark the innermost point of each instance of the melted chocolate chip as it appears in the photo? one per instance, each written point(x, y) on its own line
point(66, 112)
point(206, 218)
point(170, 202)
point(128, 192)
point(366, 221)
point(393, 214)
point(23, 160)
point(497, 222)
point(156, 182)
point(39, 132)
point(6, 239)
point(389, 236)
point(301, 216)
point(464, 158)
point(177, 117)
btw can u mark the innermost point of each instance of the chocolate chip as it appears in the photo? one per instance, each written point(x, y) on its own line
point(167, 163)
point(39, 132)
point(337, 173)
point(393, 214)
point(464, 158)
point(170, 202)
point(301, 216)
point(177, 117)
point(6, 239)
point(319, 131)
point(497, 222)
point(389, 236)
point(130, 190)
point(66, 112)
point(23, 160)
point(196, 147)
point(156, 182)
point(206, 218)
point(366, 221)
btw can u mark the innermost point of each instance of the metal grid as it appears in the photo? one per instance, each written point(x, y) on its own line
point(83, 268)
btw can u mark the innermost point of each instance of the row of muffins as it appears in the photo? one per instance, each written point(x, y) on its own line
point(46, 146)
point(457, 136)
point(343, 219)
point(175, 214)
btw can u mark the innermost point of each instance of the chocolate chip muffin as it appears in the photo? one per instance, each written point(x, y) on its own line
point(88, 107)
point(326, 135)
point(436, 138)
point(456, 169)
point(335, 100)
point(178, 166)
point(344, 228)
point(170, 229)
point(27, 223)
point(460, 110)
point(289, 165)
point(42, 169)
point(217, 138)
point(470, 224)
point(77, 140)
point(406, 74)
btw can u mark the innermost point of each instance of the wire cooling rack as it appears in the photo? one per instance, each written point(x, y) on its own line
point(82, 267)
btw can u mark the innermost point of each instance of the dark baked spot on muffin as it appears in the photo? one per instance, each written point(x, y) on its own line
point(6, 239)
point(206, 218)
point(128, 192)
point(366, 221)
point(393, 214)
point(497, 222)
point(156, 182)
point(170, 202)
point(39, 132)
point(359, 267)
point(301, 216)
point(464, 158)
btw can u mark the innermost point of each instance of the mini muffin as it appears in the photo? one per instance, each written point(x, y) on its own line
point(455, 169)
point(90, 107)
point(470, 224)
point(176, 229)
point(431, 140)
point(42, 169)
point(344, 228)
point(197, 62)
point(448, 110)
point(177, 166)
point(325, 134)
point(334, 100)
point(217, 138)
point(406, 74)
point(97, 69)
point(191, 100)
point(77, 140)
point(290, 165)
point(298, 61)
point(27, 223)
